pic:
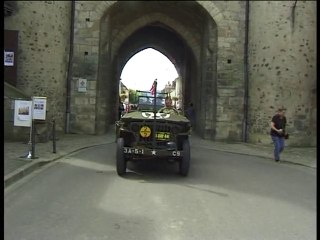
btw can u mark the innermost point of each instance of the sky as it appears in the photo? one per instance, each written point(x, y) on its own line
point(146, 66)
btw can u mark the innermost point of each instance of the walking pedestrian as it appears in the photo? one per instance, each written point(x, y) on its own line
point(278, 132)
point(190, 114)
point(120, 109)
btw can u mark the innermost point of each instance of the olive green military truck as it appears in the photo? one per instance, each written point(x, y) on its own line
point(145, 133)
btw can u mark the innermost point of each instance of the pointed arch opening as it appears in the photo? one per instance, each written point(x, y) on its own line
point(144, 67)
point(191, 46)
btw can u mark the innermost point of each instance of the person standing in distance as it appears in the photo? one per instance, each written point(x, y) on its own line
point(277, 132)
point(120, 109)
point(190, 114)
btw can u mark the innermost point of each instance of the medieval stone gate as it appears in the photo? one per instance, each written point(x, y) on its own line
point(238, 61)
point(109, 34)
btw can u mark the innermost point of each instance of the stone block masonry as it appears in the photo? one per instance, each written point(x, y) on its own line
point(282, 66)
point(44, 30)
point(281, 55)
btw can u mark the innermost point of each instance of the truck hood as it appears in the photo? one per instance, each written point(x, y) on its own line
point(150, 116)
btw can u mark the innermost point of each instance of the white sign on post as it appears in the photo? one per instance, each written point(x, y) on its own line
point(22, 113)
point(39, 108)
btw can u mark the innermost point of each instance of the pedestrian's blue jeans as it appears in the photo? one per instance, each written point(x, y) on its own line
point(278, 146)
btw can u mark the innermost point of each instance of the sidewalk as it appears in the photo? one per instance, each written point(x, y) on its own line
point(305, 156)
point(17, 165)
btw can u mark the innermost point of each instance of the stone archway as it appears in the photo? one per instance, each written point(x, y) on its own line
point(163, 39)
point(121, 37)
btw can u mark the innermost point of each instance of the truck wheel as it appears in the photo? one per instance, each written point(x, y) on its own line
point(185, 160)
point(121, 162)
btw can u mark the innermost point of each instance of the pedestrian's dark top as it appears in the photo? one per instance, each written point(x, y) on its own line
point(279, 123)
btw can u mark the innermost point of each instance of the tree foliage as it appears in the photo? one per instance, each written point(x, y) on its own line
point(133, 96)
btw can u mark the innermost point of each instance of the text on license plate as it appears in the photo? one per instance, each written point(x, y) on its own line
point(163, 135)
point(133, 150)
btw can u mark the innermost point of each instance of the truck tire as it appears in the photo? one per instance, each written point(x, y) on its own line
point(184, 163)
point(121, 162)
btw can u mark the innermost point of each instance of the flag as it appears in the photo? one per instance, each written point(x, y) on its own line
point(154, 87)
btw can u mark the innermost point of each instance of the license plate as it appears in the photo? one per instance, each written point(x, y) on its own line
point(133, 150)
point(163, 135)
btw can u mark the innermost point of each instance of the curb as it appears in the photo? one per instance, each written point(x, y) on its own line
point(20, 173)
point(255, 154)
point(27, 169)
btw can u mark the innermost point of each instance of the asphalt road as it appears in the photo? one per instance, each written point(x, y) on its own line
point(225, 196)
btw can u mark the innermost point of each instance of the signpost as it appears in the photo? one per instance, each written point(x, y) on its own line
point(39, 108)
point(25, 113)
point(22, 113)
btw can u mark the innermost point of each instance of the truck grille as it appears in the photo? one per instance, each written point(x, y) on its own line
point(166, 132)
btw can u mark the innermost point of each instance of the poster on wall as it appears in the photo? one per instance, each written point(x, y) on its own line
point(82, 85)
point(39, 108)
point(8, 58)
point(22, 113)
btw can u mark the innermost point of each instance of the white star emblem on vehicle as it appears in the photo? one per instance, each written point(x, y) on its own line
point(153, 152)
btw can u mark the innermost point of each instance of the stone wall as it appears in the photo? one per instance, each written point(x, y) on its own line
point(227, 95)
point(43, 50)
point(282, 68)
point(85, 66)
point(101, 29)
